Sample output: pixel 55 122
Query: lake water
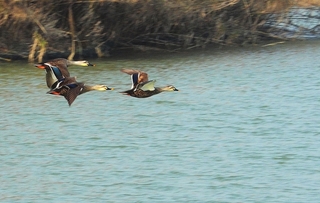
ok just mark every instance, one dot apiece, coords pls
pixel 245 127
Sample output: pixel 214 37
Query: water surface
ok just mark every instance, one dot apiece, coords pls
pixel 244 128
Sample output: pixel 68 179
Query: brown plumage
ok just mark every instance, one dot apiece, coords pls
pixel 142 76
pixel 65 63
pixel 70 92
pixel 144 94
pixel 60 83
pixel 62 64
pixel 142 87
pixel 63 81
pixel 70 89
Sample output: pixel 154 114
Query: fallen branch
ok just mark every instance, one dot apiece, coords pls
pixel 5 59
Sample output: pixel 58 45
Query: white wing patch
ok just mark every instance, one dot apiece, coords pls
pixel 148 86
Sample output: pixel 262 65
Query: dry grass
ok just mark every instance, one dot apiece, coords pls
pixel 165 24
pixel 276 6
pixel 307 3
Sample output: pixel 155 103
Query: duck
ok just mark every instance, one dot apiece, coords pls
pixel 70 88
pixel 66 86
pixel 66 62
pixel 142 87
pixel 62 65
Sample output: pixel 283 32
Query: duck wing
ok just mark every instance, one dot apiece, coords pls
pixel 137 76
pixel 63 81
pixel 62 64
pixel 69 91
pixel 73 93
pixel 147 86
pixel 53 73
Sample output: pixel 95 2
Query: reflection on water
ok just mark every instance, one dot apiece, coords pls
pixel 243 128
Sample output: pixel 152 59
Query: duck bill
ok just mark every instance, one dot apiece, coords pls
pixel 110 88
pixel 176 89
pixel 90 64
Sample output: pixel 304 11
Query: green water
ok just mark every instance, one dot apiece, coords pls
pixel 245 127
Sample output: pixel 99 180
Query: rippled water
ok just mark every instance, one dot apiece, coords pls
pixel 245 127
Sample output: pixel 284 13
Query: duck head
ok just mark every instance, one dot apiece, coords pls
pixel 101 87
pixel 82 63
pixel 169 88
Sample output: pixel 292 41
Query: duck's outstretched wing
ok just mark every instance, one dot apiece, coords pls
pixel 134 80
pixel 73 93
pixel 53 73
pixel 62 64
pixel 137 76
pixel 63 81
pixel 69 91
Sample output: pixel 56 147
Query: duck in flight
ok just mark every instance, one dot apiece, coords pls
pixel 66 86
pixel 70 89
pixel 61 69
pixel 142 87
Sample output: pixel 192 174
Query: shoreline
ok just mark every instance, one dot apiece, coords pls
pixel 126 53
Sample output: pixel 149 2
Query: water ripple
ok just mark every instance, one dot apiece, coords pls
pixel 243 128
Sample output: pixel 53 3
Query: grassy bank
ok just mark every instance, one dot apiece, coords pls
pixel 76 28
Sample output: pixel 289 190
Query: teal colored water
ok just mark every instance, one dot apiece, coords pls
pixel 245 127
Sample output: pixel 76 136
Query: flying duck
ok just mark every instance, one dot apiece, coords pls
pixel 66 86
pixel 70 89
pixel 62 65
pixel 142 87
